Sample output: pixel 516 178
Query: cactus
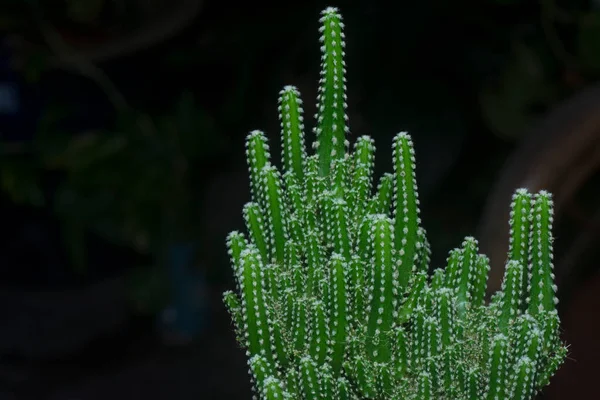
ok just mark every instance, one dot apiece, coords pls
pixel 334 299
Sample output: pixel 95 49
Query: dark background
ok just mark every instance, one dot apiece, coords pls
pixel 122 127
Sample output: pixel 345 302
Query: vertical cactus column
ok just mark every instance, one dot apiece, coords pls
pixel 334 299
pixel 331 127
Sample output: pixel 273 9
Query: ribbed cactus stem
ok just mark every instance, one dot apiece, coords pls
pixel 406 205
pixel 292 126
pixel 258 156
pixel 519 223
pixel 466 272
pixel 337 302
pixel 385 291
pixel 254 310
pixel 331 115
pixel 511 294
pixel 543 290
pixel 334 297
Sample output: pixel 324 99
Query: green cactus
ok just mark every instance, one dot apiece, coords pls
pixel 334 300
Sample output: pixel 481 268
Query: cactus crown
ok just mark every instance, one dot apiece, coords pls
pixel 334 299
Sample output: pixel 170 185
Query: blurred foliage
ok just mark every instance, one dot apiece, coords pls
pixel 148 291
pixel 510 103
pixel 133 185
pixel 588 41
pixel 552 54
pixel 17 13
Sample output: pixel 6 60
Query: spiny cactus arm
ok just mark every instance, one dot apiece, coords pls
pixel 556 360
pixel 251 282
pixel 301 323
pixel 423 252
pixel 525 338
pixel 533 345
pixel 314 183
pixel 472 383
pixel 275 211
pixel 384 382
pixel 550 324
pixel 382 302
pixel 280 346
pixel 363 159
pixel 296 232
pixel 437 279
pixel 358 205
pixel 298 280
pixel 292 126
pixel 255 225
pixel 362 375
pixel 381 203
pixel 433 336
pixel 497 368
pixel 406 206
pixel 552 346
pixel 480 278
pixel 400 352
pixel 311 219
pixel 364 244
pixel 315 256
pixel 276 277
pixel 236 243
pixel 289 303
pixel 331 115
pixel 326 382
pixel 413 299
pixel 427 299
pixel 445 313
pixel 343 391
pixel 327 217
pixel 319 332
pixel 510 302
pixel 338 304
pixel 452 373
pixel 292 260
pixel 339 218
pixel 261 370
pixel 425 387
pixel 357 292
pixel 523 381
pixel 520 226
pixel 309 379
pixel 419 340
pixel 294 195
pixel 464 284
pixel 340 180
pixel 292 380
pixel 361 180
pixel 234 307
pixel 542 293
pixel 273 389
pixel 257 157
pixel 453 269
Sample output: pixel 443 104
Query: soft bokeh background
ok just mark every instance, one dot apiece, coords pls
pixel 122 167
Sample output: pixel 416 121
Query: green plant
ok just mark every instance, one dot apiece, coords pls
pixel 334 300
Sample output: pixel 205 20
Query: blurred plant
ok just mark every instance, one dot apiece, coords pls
pixel 334 300
pixel 553 53
pixel 132 185
pixel 16 14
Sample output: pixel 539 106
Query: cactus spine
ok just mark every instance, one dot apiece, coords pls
pixel 333 298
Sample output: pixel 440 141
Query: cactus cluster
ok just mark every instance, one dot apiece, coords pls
pixel 334 298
